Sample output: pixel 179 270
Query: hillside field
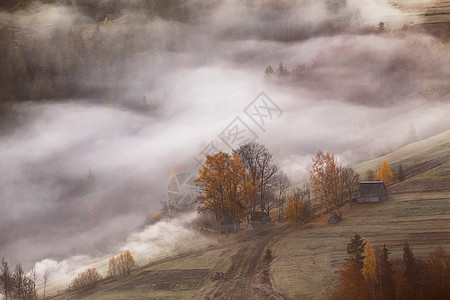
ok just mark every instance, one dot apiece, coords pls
pixel 306 260
pixel 309 259
pixel 417 210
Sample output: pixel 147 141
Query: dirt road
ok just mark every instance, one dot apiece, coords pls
pixel 249 272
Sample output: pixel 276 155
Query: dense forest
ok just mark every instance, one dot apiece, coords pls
pixel 62 63
pixel 100 44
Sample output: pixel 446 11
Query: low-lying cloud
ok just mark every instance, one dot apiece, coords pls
pixel 80 175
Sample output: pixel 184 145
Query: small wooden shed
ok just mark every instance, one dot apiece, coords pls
pixel 371 191
pixel 334 219
pixel 260 219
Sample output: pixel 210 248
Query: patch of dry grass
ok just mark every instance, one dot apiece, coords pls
pixel 307 261
pixel 137 294
pixel 216 259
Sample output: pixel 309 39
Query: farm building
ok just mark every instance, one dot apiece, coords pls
pixel 229 225
pixel 371 191
pixel 334 219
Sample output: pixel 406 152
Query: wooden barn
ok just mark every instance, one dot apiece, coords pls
pixel 229 225
pixel 260 219
pixel 371 191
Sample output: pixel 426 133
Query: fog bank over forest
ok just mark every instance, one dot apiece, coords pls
pixel 102 102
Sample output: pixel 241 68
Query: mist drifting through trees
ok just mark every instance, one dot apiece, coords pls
pixel 100 102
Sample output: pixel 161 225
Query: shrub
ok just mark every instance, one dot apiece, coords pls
pixel 268 255
pixel 86 280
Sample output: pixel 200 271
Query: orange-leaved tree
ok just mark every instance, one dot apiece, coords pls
pixel 379 176
pixel 225 187
pixel 385 173
pixel 353 285
pixel 325 179
pixel 122 264
pixel 294 210
pixel 125 263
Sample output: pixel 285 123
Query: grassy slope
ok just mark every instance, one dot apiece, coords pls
pixel 307 261
pixel 178 277
pixel 412 154
pixel 437 174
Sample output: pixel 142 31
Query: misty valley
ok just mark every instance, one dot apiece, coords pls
pixel 224 149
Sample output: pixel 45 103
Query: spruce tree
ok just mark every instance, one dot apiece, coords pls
pixel 411 270
pixel 387 287
pixel 281 71
pixel 410 262
pixel 401 174
pixel 355 249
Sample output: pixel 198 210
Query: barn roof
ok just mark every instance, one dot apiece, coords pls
pixel 372 188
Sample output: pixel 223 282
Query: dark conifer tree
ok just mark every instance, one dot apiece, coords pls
pixel 401 174
pixel 355 249
pixel 386 274
pixel 412 272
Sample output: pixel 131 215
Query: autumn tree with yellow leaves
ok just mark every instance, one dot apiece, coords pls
pixel 294 210
pixel 369 264
pixel 121 264
pixel 385 173
pixel 369 270
pixel 325 179
pixel 125 263
pixel 225 187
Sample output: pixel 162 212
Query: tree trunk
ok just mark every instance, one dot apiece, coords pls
pixel 279 208
pixel 261 202
pixel 218 229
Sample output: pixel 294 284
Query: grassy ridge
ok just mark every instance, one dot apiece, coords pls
pixel 413 154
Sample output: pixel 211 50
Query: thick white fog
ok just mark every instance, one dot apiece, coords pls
pixel 79 177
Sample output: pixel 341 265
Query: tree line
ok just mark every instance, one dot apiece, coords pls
pixel 64 63
pixel 330 184
pixel 16 284
pixel 235 185
pixel 372 274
